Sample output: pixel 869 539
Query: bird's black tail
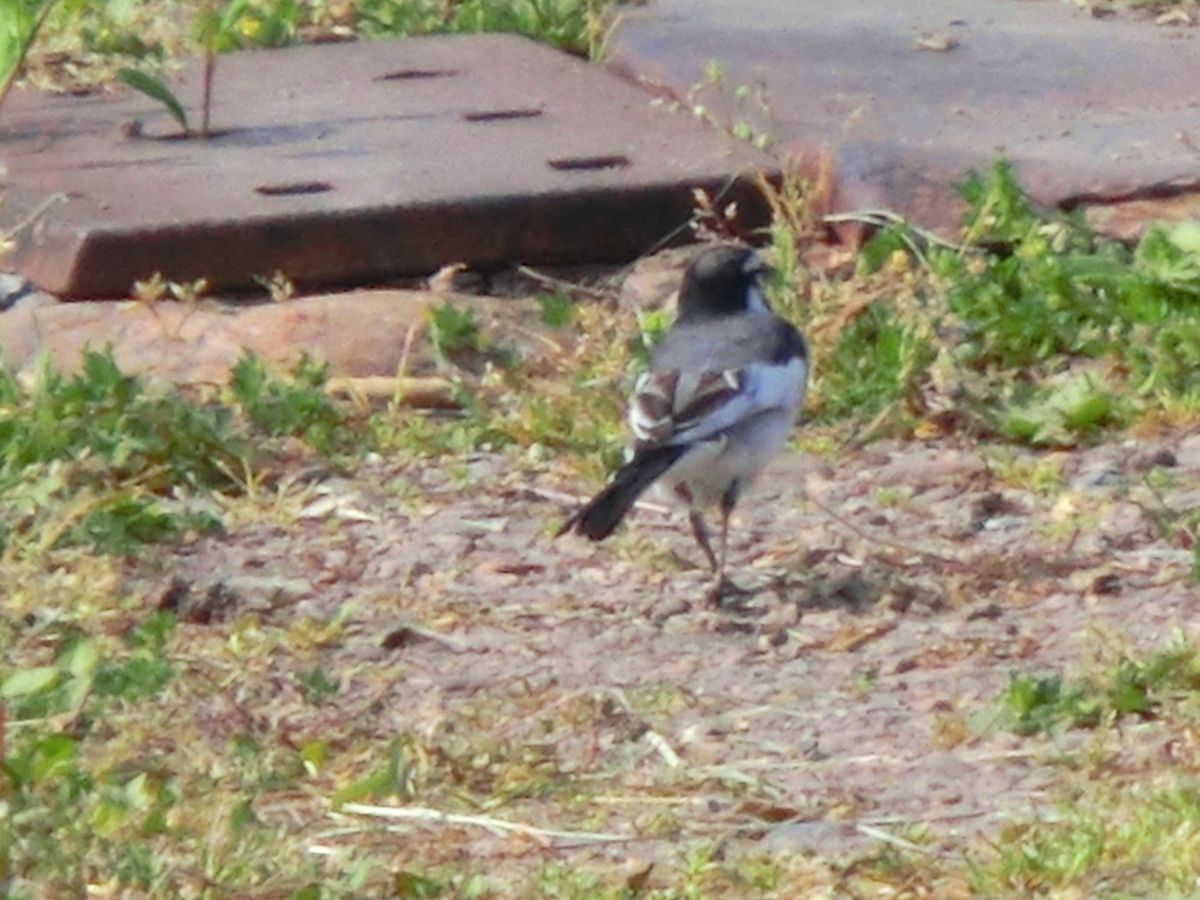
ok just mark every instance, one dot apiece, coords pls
pixel 598 518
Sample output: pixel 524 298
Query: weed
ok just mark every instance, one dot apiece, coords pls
pixel 888 496
pixel 1042 475
pixel 651 326
pixel 864 372
pixel 459 341
pixel 118 450
pixel 99 460
pixel 297 406
pixel 408 883
pixel 397 776
pixel 1032 330
pixel 102 412
pixel 147 669
pixel 555 310
pixel 56 801
pixel 20 24
pixel 564 882
pixel 1045 704
pixel 864 681
pixel 743 112
pixel 569 400
pixel 453 329
pixel 155 89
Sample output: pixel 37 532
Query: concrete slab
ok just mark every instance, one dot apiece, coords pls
pixel 349 163
pixel 908 96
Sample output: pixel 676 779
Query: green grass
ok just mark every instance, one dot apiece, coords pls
pixel 295 407
pixel 860 385
pixel 567 403
pixel 1125 822
pixel 98 459
pixel 73 44
pixel 578 26
pixel 103 36
pixel 1026 327
pixel 54 802
pixel 1112 839
pixel 1033 704
pixel 1033 330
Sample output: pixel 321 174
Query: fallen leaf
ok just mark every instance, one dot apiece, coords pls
pixel 1175 17
pixel 767 812
pixel 937 42
pixel 851 638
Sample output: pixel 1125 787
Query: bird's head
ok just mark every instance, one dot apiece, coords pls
pixel 722 281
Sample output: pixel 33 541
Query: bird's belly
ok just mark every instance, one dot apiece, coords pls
pixel 703 475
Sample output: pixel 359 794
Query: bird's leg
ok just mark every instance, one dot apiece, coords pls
pixel 700 531
pixel 721 585
pixel 717 591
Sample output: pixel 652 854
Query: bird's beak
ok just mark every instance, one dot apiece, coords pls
pixel 755 265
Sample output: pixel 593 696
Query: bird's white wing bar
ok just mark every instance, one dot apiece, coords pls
pixel 683 407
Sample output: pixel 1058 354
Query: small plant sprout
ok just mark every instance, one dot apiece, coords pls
pixel 20 23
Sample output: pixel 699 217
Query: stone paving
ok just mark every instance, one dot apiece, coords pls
pixel 905 97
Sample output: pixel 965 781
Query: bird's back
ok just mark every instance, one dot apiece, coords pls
pixel 743 340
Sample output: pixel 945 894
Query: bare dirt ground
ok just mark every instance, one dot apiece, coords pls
pixel 849 700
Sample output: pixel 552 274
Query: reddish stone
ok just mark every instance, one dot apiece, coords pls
pixel 179 343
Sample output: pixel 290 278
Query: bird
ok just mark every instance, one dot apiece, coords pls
pixel 718 401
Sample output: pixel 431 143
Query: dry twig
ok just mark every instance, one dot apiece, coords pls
pixel 880 835
pixel 567 287
pixel 490 823
pixel 422 393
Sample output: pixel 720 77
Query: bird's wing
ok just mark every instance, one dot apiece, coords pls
pixel 682 407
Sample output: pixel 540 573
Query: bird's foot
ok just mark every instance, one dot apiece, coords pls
pixel 723 589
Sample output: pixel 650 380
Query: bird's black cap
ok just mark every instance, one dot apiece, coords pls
pixel 718 282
